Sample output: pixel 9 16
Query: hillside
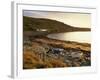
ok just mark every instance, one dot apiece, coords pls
pixel 52 26
pixel 39 51
pixel 50 53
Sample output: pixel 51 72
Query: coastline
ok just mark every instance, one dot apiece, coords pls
pixel 40 53
pixel 64 44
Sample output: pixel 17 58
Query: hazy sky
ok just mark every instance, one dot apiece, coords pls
pixel 73 19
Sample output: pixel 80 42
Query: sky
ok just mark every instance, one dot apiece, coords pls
pixel 82 20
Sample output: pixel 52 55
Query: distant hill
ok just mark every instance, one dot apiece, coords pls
pixel 32 24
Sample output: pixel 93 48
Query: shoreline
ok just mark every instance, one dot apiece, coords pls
pixel 64 44
pixel 43 52
pixel 40 51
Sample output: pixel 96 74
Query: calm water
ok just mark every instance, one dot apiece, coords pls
pixel 84 37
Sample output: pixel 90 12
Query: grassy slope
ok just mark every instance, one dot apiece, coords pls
pixel 30 58
pixel 31 24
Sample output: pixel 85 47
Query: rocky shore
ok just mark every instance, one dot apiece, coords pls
pixel 43 52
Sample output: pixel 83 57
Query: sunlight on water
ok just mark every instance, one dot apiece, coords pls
pixel 83 37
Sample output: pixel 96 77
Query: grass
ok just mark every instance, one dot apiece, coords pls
pixel 32 61
pixel 32 24
pixel 32 58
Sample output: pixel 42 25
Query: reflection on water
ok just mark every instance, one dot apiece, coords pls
pixel 84 37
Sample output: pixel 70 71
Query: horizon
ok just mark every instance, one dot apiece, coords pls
pixel 82 20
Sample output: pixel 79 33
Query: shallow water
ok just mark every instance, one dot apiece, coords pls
pixel 83 37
